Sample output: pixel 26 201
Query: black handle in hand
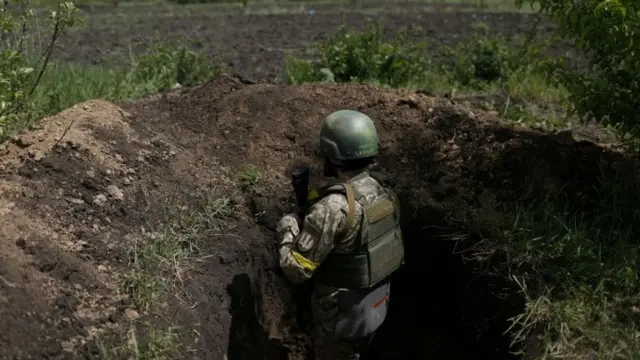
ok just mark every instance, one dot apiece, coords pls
pixel 300 182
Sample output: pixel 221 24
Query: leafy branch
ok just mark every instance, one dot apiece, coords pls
pixel 19 76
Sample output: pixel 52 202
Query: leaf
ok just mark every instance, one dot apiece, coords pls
pixel 327 75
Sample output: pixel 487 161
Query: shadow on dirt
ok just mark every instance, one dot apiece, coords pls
pixel 438 303
pixel 247 339
pixel 440 308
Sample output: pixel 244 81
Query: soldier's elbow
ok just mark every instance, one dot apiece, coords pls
pixel 294 274
pixel 298 279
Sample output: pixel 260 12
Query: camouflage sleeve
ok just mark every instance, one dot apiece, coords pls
pixel 301 252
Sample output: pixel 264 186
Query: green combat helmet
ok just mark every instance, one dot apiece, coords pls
pixel 348 135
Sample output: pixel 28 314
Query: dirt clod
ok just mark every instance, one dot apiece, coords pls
pixel 100 200
pixel 115 192
pixel 131 314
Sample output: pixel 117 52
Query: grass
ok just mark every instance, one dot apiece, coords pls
pixel 576 267
pixel 160 264
pixel 162 67
pixel 160 344
pixel 167 251
pixel 249 178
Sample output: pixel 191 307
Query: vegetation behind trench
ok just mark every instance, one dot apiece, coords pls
pixel 33 86
pixel 485 68
pixel 576 269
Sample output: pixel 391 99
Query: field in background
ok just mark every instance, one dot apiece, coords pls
pixel 263 34
pixel 266 34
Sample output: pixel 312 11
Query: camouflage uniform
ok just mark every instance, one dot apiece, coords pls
pixel 303 250
pixel 350 240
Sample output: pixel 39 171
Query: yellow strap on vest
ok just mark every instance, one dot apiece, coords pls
pixel 313 194
pixel 351 215
pixel 303 261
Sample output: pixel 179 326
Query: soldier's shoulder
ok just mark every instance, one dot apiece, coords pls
pixel 333 201
pixel 379 176
pixel 369 186
pixel 382 176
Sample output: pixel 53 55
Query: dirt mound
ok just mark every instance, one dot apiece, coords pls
pixel 56 286
pixel 93 182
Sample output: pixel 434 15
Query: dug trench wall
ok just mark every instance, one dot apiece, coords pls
pixel 87 186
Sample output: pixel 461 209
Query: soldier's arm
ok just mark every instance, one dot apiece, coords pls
pixel 303 250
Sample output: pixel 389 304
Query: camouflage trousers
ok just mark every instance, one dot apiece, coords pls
pixel 324 309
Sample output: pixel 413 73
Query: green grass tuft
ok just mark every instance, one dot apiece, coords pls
pixel 250 177
pixel 160 263
pixel 577 269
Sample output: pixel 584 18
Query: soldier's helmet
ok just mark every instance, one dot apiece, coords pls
pixel 348 135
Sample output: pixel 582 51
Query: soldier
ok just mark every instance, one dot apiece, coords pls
pixel 349 241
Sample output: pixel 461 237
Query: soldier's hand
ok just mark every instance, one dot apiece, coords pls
pixel 288 222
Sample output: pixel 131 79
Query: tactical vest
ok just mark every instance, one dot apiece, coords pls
pixel 379 244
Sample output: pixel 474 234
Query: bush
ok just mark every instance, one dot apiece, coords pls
pixel 165 66
pixel 483 61
pixel 298 71
pixel 608 90
pixel 19 75
pixel 364 58
pixel 398 62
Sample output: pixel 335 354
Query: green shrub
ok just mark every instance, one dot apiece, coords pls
pixel 298 71
pixel 165 66
pixel 367 57
pixel 20 76
pixel 608 89
pixel 482 61
pixel 363 58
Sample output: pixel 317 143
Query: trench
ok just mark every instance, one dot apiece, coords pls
pixel 440 307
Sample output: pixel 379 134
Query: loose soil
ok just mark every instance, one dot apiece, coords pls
pixel 255 44
pixel 80 191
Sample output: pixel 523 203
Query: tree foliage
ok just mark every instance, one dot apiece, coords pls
pixel 608 33
pixel 21 70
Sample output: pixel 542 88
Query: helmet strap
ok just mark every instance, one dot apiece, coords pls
pixel 329 168
pixel 338 169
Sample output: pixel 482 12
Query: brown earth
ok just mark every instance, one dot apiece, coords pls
pixel 255 44
pixel 94 181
